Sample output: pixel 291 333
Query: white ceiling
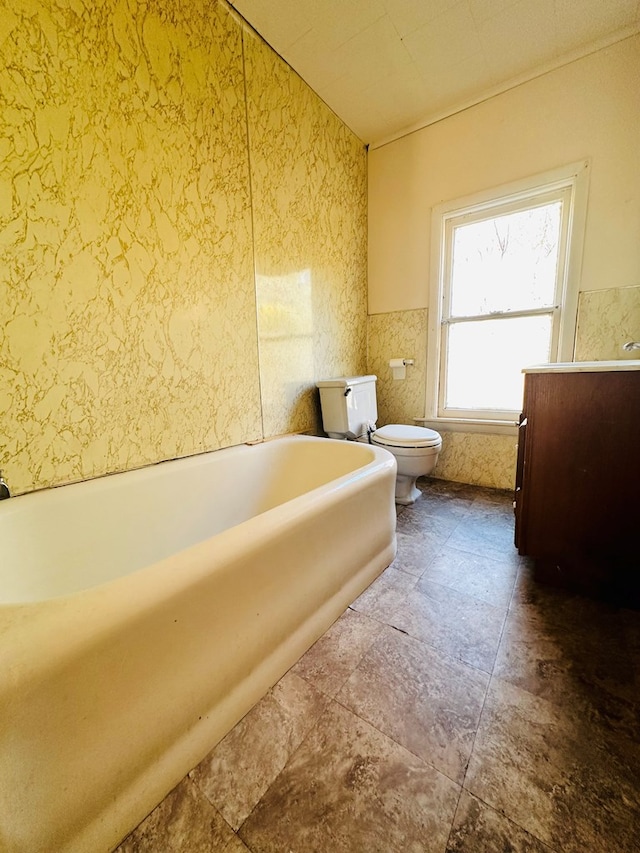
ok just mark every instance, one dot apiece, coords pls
pixel 389 66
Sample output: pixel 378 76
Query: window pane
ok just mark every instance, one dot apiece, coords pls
pixel 486 358
pixel 506 263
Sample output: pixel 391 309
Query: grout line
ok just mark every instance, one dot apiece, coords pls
pixel 508 819
pixel 455 813
pixel 441 652
pixel 403 746
pixel 287 762
pixel 489 681
pixel 480 716
pixel 484 701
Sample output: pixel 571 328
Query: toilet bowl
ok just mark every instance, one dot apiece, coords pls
pixel 416 450
pixel 349 411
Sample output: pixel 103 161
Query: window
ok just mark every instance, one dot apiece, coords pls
pixel 504 295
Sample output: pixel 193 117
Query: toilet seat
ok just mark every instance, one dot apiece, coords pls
pixel 350 411
pixel 405 436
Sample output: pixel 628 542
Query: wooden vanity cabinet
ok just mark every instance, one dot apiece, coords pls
pixel 577 498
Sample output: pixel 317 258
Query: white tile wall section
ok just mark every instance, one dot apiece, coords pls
pixel 390 66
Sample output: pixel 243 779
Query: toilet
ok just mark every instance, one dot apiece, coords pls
pixel 350 410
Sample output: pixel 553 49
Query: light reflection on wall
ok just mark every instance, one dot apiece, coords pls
pixel 285 336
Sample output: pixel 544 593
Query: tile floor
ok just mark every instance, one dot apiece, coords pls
pixel 455 707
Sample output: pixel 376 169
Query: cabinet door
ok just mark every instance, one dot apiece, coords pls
pixel 582 465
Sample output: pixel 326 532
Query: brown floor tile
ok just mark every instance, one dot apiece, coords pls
pixel 485 578
pixel 592 635
pixel 556 774
pixel 558 606
pixel 381 600
pixel 486 537
pixel 349 788
pixel 332 659
pixel 235 845
pixel 587 666
pixel 464 499
pixel 479 829
pixel 432 486
pixel 420 520
pixel 497 497
pixel 416 551
pixel 184 822
pixel 420 698
pixel 238 771
pixel 493 516
pixel 439 506
pixel 459 625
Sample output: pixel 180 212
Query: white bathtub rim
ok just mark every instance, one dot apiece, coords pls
pixel 109 478
pixel 60 619
pixel 192 459
pixel 278 515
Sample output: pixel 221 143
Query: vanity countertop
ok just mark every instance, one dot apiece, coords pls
pixel 585 366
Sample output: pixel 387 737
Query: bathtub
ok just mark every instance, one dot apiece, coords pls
pixel 143 614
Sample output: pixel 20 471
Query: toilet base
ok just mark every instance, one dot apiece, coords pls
pixel 406 490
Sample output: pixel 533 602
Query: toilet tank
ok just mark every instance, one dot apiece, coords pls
pixel 348 405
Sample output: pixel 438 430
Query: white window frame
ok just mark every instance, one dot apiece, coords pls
pixel 572 181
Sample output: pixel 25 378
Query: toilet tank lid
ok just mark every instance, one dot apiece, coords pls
pixel 344 381
pixel 403 435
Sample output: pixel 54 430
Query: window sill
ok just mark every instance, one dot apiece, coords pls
pixel 470 425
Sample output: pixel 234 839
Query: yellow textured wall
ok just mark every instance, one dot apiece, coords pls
pixel 308 178
pixel 483 460
pixel 401 334
pixel 607 319
pixel 128 328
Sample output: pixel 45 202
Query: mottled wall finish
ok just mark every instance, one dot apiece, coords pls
pixel 607 319
pixel 401 334
pixel 308 175
pixel 483 460
pixel 128 305
pixel 128 327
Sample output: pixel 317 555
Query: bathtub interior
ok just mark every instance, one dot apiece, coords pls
pixel 131 683
pixel 64 540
